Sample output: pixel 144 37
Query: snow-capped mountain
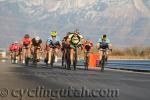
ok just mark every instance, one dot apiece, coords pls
pixel 126 21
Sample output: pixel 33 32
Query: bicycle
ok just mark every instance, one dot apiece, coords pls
pixel 67 57
pixel 11 57
pixel 35 55
pixel 63 57
pixel 104 58
pixel 53 54
pixel 15 57
pixel 75 55
pixel 26 55
pixel 86 64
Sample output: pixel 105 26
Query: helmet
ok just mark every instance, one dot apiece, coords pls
pixel 76 31
pixel 68 33
pixel 104 36
pixel 37 38
pixel 53 33
pixel 87 41
pixel 26 36
pixel 16 42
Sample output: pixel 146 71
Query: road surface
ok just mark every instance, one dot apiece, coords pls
pixel 18 82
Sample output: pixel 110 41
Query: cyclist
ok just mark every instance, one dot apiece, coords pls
pixel 26 45
pixel 36 45
pixel 16 49
pixel 64 41
pixel 11 51
pixel 65 46
pixel 75 39
pixel 87 47
pixel 104 43
pixel 53 40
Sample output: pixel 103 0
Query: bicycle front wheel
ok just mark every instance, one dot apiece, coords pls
pixel 102 63
pixel 75 60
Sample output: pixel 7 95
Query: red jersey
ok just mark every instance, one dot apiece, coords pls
pixel 26 41
pixel 16 47
pixel 11 47
pixel 88 45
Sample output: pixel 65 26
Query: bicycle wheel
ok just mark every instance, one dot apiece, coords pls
pixel 52 59
pixel 46 59
pixel 102 63
pixel 26 60
pixel 63 55
pixel 35 58
pixel 75 59
pixel 86 61
pixel 14 59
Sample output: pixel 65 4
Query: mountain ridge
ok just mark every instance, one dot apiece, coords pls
pixel 128 18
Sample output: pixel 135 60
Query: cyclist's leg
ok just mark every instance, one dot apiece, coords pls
pixel 23 55
pixel 13 56
pixel 38 54
pixel 110 46
pixel 79 53
pixel 18 55
pixel 100 52
pixel 56 54
pixel 107 53
pixel 29 52
pixel 10 55
pixel 49 55
pixel 45 52
pixel 71 53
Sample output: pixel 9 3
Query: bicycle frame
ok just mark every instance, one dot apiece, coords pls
pixel 26 56
pixel 63 57
pixel 75 57
pixel 53 55
pixel 35 54
pixel 67 58
pixel 87 59
pixel 102 61
pixel 15 56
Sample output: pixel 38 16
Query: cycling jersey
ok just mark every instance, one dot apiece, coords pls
pixel 16 47
pixel 36 43
pixel 11 47
pixel 26 41
pixel 107 41
pixel 52 41
pixel 75 40
pixel 104 44
pixel 88 45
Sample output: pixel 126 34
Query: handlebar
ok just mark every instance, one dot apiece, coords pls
pixel 107 49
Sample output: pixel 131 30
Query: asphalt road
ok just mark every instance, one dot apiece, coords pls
pixel 18 82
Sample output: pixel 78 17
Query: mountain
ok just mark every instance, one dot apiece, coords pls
pixel 125 21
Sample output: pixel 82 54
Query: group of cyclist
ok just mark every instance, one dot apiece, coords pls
pixel 73 40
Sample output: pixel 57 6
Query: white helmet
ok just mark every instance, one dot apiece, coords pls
pixel 37 38
pixel 16 42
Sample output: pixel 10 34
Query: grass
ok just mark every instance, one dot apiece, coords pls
pixel 131 53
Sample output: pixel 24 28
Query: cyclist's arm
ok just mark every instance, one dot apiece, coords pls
pixel 68 39
pixel 21 43
pixel 30 45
